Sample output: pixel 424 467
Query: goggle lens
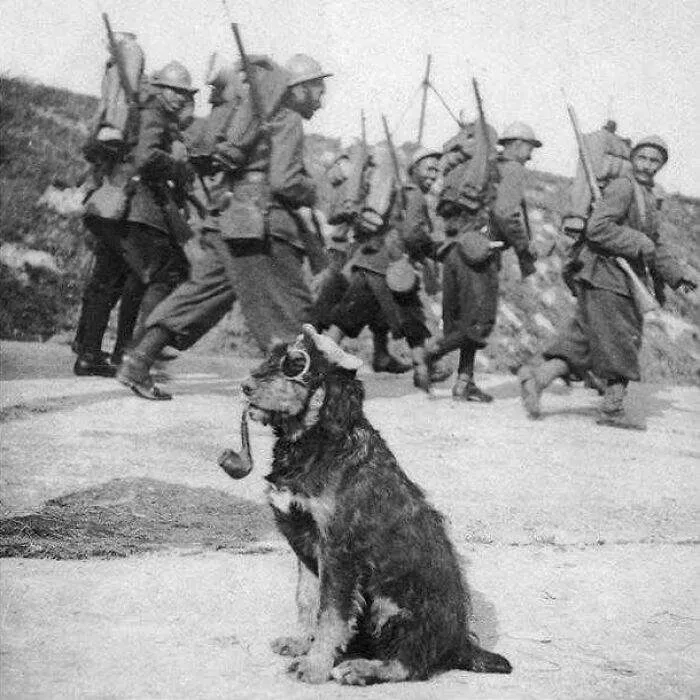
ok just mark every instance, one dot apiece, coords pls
pixel 295 364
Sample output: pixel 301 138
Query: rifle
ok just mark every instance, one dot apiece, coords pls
pixel 255 98
pixel 401 276
pixel 643 298
pixel 480 113
pixel 397 172
pixel 363 153
pixel 476 177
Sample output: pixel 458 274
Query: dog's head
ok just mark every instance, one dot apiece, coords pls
pixel 305 383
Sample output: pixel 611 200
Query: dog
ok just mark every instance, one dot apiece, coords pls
pixel 380 589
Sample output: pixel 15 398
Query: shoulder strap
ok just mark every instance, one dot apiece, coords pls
pixel 645 217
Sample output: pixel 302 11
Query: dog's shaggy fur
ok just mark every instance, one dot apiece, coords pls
pixel 390 601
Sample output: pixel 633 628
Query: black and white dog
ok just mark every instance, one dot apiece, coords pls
pixel 390 603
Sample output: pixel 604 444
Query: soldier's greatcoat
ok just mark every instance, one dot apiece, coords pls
pixel 368 301
pixel 252 249
pixel 152 202
pixel 140 248
pixel 605 334
pixel 471 269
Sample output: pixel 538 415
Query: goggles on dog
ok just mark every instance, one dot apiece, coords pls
pixel 295 364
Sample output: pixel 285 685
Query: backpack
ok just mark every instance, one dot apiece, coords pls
pixel 470 186
pixel 225 138
pixel 116 123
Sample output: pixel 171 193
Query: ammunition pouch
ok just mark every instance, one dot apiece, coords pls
pixel 241 212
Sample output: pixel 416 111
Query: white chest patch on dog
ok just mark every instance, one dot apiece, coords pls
pixel 320 508
pixel 382 610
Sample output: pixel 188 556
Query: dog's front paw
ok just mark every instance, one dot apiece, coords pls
pixel 313 669
pixel 291 646
pixel 353 672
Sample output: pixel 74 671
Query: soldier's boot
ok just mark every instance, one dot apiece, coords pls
pixel 612 411
pixel 383 360
pixel 440 371
pixel 592 381
pixel 93 364
pixel 132 294
pixel 421 370
pixel 466 390
pixel 135 369
pixel 427 368
pixel 533 381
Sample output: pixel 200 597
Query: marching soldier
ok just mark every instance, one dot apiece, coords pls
pixel 134 215
pixel 484 214
pixel 347 176
pixel 384 284
pixel 252 244
pixel 609 156
pixel 605 334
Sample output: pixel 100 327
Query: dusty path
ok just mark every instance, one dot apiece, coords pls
pixel 579 541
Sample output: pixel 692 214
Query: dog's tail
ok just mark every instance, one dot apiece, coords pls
pixel 474 658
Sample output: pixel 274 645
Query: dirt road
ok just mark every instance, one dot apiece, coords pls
pixel 579 542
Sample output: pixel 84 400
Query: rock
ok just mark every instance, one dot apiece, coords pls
pixel 673 326
pixel 541 321
pixel 509 316
pixel 549 297
pixel 66 201
pixel 17 257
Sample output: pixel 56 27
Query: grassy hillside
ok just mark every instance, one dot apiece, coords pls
pixel 41 134
pixel 45 253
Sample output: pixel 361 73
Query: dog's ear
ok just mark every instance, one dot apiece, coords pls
pixel 331 350
pixel 342 407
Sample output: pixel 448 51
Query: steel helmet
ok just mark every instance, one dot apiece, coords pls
pixel 653 141
pixel 519 131
pixel 174 75
pixel 302 68
pixel 421 153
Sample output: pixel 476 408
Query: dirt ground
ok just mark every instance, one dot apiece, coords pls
pixel 579 542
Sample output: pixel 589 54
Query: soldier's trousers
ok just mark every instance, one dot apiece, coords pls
pixel 469 302
pixel 135 263
pixel 266 277
pixel 369 302
pixel 604 336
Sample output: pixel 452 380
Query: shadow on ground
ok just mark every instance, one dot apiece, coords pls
pixel 124 517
